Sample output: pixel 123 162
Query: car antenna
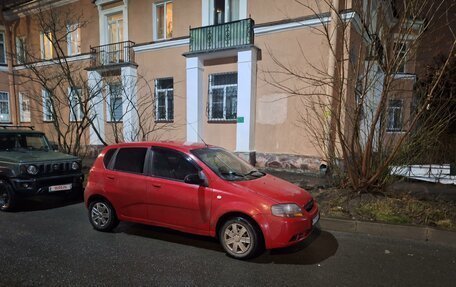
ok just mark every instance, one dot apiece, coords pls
pixel 198 134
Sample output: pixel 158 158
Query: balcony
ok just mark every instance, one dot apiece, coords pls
pixel 224 36
pixel 112 55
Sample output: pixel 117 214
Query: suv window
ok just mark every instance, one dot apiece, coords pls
pixel 130 160
pixel 23 141
pixel 171 164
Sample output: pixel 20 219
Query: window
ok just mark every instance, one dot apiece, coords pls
pixel 171 164
pixel 163 20
pixel 47 106
pixel 223 96
pixel 225 11
pixel 164 110
pixel 75 99
pixel 394 116
pixel 2 48
pixel 46 45
pixel 107 157
pixel 4 107
pixel 24 107
pixel 400 50
pixel 20 50
pixel 115 28
pixel 115 107
pixel 74 39
pixel 131 160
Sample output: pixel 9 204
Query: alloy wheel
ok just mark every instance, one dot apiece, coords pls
pixel 237 238
pixel 100 214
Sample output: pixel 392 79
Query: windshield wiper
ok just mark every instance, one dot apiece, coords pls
pixel 253 171
pixel 232 173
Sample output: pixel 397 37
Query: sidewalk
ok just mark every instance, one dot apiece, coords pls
pixel 418 233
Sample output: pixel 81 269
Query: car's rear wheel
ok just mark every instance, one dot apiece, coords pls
pixel 7 197
pixel 240 238
pixel 102 215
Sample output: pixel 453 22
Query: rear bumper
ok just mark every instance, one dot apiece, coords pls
pixel 281 232
pixel 38 186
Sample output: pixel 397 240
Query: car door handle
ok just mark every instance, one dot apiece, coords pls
pixel 110 177
pixel 156 185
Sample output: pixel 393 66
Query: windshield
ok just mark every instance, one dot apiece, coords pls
pixel 226 164
pixel 10 142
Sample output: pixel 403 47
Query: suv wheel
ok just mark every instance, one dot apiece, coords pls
pixel 7 198
pixel 102 215
pixel 240 238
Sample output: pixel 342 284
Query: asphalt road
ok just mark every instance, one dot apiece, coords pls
pixel 53 244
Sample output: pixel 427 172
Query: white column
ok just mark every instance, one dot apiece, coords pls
pixel 247 73
pixel 96 107
pixel 194 99
pixel 130 117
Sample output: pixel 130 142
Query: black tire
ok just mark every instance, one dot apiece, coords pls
pixel 7 197
pixel 240 238
pixel 102 215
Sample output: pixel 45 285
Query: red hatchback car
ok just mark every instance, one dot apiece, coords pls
pixel 198 189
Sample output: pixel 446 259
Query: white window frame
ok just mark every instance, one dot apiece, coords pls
pixel 4 47
pixel 7 118
pixel 208 11
pixel 212 87
pixel 20 50
pixel 392 109
pixel 103 21
pixel 43 39
pixel 47 108
pixel 75 111
pixel 165 18
pixel 24 116
pixel 109 111
pixel 72 31
pixel 167 95
pixel 402 65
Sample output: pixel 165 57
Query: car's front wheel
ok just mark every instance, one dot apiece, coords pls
pixel 240 238
pixel 7 198
pixel 102 215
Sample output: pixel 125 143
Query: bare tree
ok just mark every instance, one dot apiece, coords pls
pixel 348 105
pixel 60 88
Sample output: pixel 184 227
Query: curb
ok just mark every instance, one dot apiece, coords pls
pixel 390 230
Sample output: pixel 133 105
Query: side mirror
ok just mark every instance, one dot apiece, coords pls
pixel 193 178
pixel 54 146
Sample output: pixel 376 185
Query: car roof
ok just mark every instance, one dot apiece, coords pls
pixel 177 145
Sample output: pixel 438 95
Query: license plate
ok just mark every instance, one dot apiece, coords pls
pixel 60 187
pixel 315 219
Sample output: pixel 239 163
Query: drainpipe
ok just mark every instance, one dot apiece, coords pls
pixel 9 58
pixel 332 91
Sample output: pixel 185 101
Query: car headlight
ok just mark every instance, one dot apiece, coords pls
pixel 75 165
pixel 286 210
pixel 32 169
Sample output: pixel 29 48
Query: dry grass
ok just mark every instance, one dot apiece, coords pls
pixel 398 210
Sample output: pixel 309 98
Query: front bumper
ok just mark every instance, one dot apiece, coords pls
pixel 281 232
pixel 40 185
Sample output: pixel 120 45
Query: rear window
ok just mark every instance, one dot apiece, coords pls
pixel 107 157
pixel 130 160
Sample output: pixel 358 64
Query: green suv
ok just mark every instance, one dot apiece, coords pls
pixel 29 166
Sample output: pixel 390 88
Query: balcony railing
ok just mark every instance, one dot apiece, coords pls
pixel 222 36
pixel 112 54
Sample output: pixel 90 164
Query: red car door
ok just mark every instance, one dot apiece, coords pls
pixel 126 185
pixel 172 201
